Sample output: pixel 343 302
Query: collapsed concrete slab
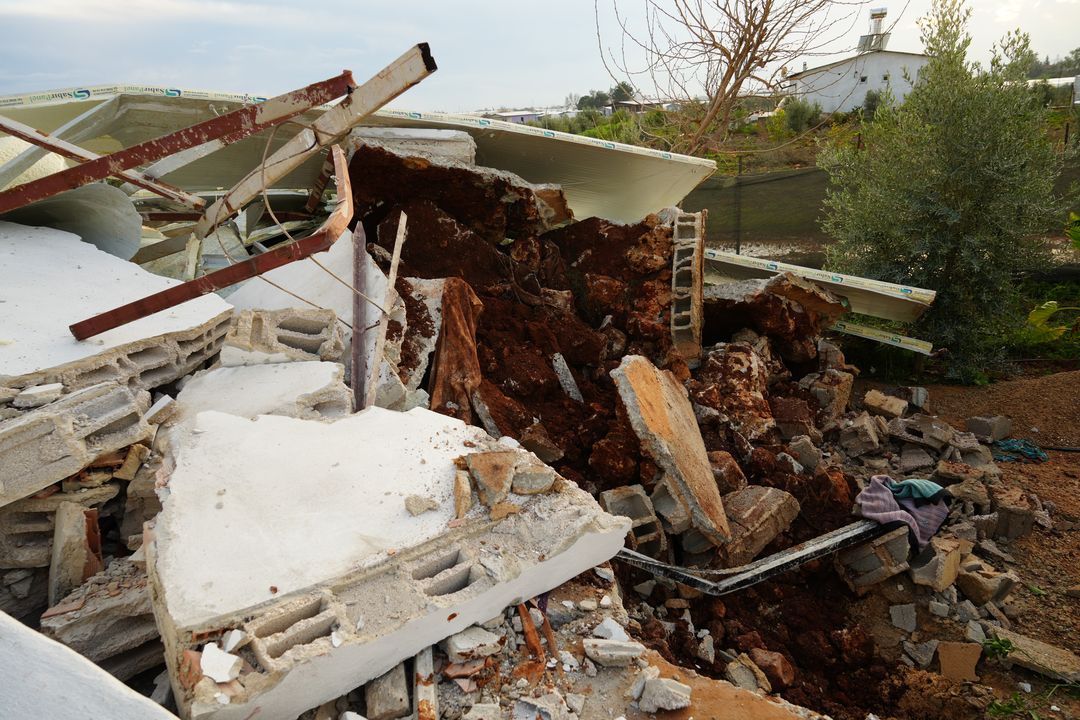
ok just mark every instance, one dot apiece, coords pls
pixel 27 526
pixel 447 145
pixel 52 279
pixel 662 417
pixel 341 592
pixel 730 388
pixel 57 440
pixel 44 679
pixel 109 620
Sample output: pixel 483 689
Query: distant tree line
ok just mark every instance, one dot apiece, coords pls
pixel 1062 67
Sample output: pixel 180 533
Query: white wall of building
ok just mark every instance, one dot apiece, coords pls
pixel 842 87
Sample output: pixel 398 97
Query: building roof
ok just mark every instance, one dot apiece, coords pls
pixel 820 68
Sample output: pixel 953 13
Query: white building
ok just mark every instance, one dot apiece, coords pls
pixel 842 86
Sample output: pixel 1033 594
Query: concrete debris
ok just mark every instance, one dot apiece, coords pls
pixel 989 429
pixel 958 660
pixel 887 406
pixel 612 653
pixel 756 516
pixel 663 694
pixel 663 419
pixel 1047 660
pixel 50 443
pixel 387 696
pixel 866 565
pixel 903 617
pixel 471 643
pixel 76 549
pixel 938 565
pixel 274 336
pixel 291 601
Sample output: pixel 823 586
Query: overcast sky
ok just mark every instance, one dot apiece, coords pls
pixel 507 53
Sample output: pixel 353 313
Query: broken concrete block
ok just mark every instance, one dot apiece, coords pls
pixel 24 592
pixel 887 406
pixel 804 450
pixel 27 525
pixel 989 429
pixel 1015 511
pixel 985 584
pixel 663 694
pixel 608 629
pixel 44 679
pixel 917 397
pixel 309 609
pixel 903 617
pixel 50 443
pixel 109 620
pixel 1047 660
pixel 470 643
pixel 865 565
pixel 832 388
pixel 134 459
pixel 306 390
pixel 387 696
pixel 925 430
pixel 859 435
pixel 958 660
pixel 258 337
pixel 792 416
pixel 756 515
pixel 938 564
pixel 676 519
pixel 663 419
pixel 38 395
pixel 687 285
pixel 76 549
pixel 921 653
pixel 612 653
pixel 531 476
pixel 913 458
pixel 646 535
pixel 566 378
pixel 43 297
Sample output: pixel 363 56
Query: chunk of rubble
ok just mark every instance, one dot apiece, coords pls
pixel 109 621
pixel 43 297
pixel 887 406
pixel 50 443
pixel 1047 660
pixel 38 395
pixel 756 516
pixel 938 565
pixel 663 694
pixel 958 660
pixel 832 388
pixel 313 611
pixel 44 679
pixel 663 419
pixel 859 435
pixel 981 584
pixel 631 501
pixel 76 549
pixel 612 653
pixel 868 564
pixel 730 388
pixel 926 430
pixel 990 428
pixel 277 336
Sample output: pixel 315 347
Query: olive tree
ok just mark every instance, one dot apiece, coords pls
pixel 953 190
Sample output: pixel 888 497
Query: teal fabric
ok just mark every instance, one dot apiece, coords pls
pixel 915 488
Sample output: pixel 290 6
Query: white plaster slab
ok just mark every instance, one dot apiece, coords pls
pixel 288 503
pixel 44 679
pixel 51 279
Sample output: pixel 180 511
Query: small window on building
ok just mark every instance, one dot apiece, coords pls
pixel 885 77
pixel 862 78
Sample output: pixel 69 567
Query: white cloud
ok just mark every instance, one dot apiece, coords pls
pixel 209 13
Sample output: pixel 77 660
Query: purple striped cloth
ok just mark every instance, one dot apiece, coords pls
pixel 877 502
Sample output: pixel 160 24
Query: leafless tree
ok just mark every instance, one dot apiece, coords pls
pixel 705 54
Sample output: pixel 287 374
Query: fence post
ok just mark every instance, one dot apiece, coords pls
pixel 738 205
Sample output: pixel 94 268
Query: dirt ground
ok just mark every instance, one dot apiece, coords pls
pixel 1046 410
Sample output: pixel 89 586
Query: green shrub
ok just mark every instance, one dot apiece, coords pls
pixel 801 115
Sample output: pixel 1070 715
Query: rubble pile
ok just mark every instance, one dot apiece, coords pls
pixel 391 504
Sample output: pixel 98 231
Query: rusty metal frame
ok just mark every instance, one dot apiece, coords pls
pixel 322 239
pixel 397 77
pixel 229 127
pixel 74 152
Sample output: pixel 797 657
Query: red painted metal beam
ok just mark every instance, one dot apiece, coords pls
pixel 280 255
pixel 230 127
